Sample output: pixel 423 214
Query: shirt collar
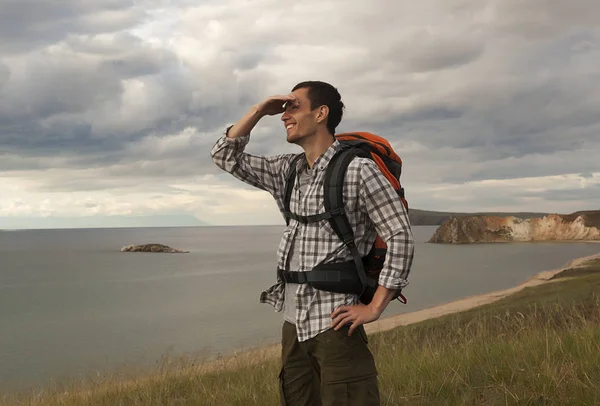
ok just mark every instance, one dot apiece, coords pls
pixel 321 162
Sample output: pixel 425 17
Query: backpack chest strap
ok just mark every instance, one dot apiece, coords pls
pixel 315 217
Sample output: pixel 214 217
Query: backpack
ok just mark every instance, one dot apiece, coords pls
pixel 360 275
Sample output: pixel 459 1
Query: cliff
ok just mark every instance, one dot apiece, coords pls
pixel 436 218
pixel 584 225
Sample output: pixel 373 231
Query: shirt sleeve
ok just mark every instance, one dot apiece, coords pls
pixel 379 200
pixel 266 173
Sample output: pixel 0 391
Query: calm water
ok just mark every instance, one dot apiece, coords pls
pixel 71 304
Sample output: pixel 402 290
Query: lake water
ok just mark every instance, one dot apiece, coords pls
pixel 72 304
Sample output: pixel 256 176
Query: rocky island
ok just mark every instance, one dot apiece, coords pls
pixel 152 248
pixel 578 226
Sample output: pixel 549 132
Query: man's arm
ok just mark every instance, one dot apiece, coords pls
pixel 228 152
pixel 379 200
pixel 245 124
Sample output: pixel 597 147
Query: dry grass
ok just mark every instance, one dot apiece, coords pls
pixel 589 267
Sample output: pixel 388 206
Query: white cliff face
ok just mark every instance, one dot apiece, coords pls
pixel 521 229
pixel 553 227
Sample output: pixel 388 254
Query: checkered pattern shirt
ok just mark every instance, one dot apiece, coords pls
pixel 372 207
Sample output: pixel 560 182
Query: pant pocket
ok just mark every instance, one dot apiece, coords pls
pixel 335 394
pixel 363 334
pixel 358 393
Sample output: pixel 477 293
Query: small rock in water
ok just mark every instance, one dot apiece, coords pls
pixel 152 248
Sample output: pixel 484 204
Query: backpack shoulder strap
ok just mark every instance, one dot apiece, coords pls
pixel 333 191
pixel 290 180
pixel 334 202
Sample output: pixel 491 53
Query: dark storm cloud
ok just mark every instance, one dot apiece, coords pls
pixel 51 96
pixel 553 115
pixel 71 103
pixel 511 87
pixel 29 24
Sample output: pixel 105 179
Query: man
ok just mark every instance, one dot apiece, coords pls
pixel 324 361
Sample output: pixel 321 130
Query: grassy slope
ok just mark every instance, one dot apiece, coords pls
pixel 540 346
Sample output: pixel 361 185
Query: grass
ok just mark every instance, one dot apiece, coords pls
pixel 540 346
pixel 590 267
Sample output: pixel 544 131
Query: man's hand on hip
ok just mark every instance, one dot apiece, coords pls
pixel 361 313
pixel 356 315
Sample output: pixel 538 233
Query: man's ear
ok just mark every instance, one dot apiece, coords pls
pixel 323 114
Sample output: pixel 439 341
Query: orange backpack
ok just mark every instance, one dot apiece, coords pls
pixel 368 268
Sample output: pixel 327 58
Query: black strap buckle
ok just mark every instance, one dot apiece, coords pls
pixel 292 277
pixel 349 241
pixel 338 211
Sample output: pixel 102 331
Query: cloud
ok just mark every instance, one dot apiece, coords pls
pixel 441 53
pixel 554 194
pixel 119 100
pixel 27 25
pixel 206 197
pixel 539 19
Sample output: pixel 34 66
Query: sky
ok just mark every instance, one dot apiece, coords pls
pixel 110 108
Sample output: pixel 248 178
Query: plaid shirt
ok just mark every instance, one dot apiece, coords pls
pixel 372 207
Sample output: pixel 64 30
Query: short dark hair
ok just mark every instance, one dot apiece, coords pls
pixel 321 93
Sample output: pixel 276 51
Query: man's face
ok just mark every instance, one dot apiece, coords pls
pixel 299 120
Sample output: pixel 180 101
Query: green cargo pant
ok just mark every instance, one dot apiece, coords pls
pixel 327 370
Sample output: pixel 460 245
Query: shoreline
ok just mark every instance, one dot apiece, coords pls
pixel 470 302
pixel 269 353
pixel 517 242
pixel 244 357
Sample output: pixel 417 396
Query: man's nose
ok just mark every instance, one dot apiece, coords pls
pixel 285 116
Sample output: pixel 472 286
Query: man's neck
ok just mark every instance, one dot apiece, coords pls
pixel 316 146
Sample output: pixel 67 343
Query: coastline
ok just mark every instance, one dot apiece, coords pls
pixel 270 353
pixel 243 357
pixel 518 242
pixel 470 302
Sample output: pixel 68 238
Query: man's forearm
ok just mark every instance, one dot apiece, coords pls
pixel 383 297
pixel 245 124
